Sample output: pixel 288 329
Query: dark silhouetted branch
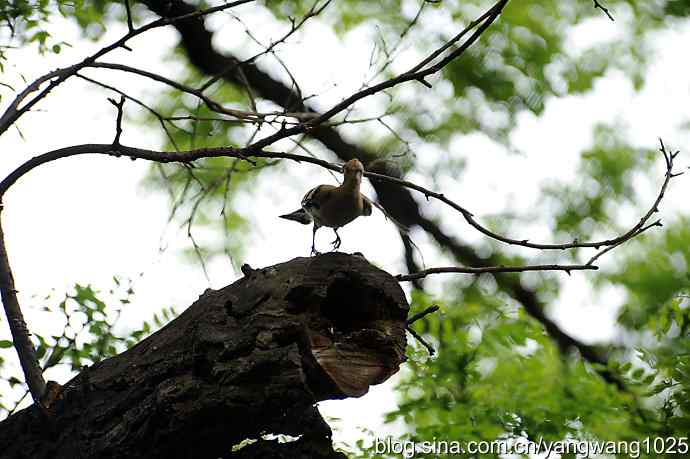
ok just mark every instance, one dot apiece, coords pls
pixel 422 314
pixel 118 123
pixel 493 269
pixel 421 340
pixel 56 77
pixel 603 8
pixel 20 333
pixel 642 226
pixel 128 10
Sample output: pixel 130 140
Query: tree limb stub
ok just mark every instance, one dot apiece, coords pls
pixel 248 359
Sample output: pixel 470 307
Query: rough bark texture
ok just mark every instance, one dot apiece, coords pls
pixel 249 359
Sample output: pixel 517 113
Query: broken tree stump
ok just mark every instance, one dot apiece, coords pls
pixel 246 360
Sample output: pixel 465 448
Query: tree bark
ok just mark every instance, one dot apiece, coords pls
pixel 247 360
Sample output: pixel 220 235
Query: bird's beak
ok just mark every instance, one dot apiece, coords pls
pixel 358 175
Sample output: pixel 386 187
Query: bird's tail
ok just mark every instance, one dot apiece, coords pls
pixel 299 216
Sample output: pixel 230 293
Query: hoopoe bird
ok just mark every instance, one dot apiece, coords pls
pixel 334 206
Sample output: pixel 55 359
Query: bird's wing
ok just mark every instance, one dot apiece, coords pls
pixel 368 203
pixel 366 206
pixel 316 197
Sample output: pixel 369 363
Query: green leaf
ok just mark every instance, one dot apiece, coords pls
pixel 637 373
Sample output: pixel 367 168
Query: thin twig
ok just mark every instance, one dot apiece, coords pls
pixel 669 158
pixel 315 10
pixel 390 59
pixel 56 77
pixel 118 123
pixel 421 340
pixel 419 75
pixel 452 41
pixel 642 226
pixel 420 315
pixel 130 24
pixel 493 269
pixel 210 103
pixel 603 8
pixel 155 113
pixel 197 248
pixel 609 248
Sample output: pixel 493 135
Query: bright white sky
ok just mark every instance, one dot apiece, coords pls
pixel 85 219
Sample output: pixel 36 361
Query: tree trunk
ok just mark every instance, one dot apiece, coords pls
pixel 250 359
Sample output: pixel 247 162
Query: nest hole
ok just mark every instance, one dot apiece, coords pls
pixel 350 305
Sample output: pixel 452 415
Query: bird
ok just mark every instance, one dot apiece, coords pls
pixel 334 206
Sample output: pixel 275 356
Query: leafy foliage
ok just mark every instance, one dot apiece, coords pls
pixel 499 377
pixel 605 176
pixel 656 276
pixel 89 335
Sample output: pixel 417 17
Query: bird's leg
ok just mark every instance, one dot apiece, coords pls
pixel 336 243
pixel 313 240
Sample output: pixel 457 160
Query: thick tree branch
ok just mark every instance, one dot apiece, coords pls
pixel 250 359
pixel 20 333
pixel 184 156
